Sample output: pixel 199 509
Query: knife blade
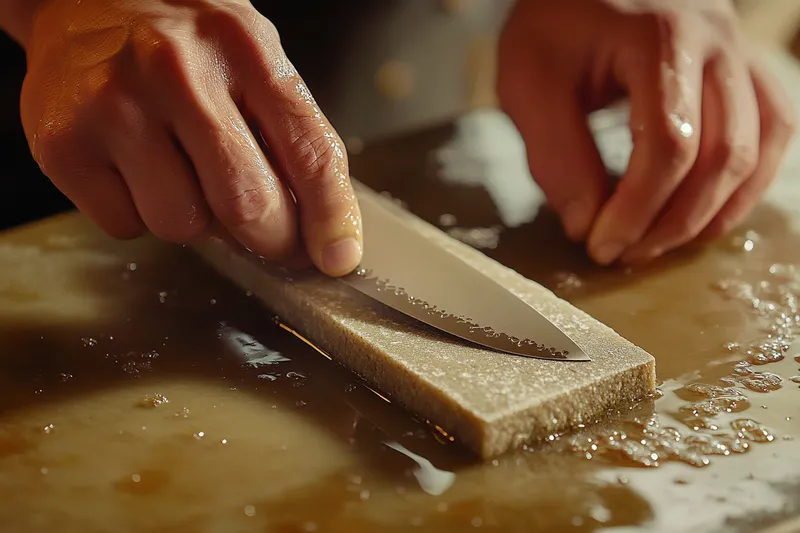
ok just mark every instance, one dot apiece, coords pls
pixel 404 270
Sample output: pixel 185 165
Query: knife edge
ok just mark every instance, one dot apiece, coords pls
pixel 459 326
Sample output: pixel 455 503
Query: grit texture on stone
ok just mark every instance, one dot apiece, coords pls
pixel 491 402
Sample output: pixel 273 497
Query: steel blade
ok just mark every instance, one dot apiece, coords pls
pixel 407 272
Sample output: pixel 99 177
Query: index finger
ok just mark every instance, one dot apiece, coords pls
pixel 664 88
pixel 306 149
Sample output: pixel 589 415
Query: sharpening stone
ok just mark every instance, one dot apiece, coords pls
pixel 490 402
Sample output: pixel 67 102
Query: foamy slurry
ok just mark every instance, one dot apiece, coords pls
pixel 154 400
pixel 568 282
pixel 645 441
pixel 480 238
pixel 134 363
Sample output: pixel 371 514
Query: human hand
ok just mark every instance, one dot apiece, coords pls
pixel 149 115
pixel 710 126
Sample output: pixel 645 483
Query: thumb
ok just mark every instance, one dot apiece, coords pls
pixel 562 154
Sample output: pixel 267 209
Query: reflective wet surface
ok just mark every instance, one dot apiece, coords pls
pixel 141 392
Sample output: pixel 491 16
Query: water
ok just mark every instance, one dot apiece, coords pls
pixel 236 424
pixel 213 443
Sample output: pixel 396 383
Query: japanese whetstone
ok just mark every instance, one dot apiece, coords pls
pixel 491 402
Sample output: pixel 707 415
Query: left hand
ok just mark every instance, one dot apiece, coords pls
pixel 710 126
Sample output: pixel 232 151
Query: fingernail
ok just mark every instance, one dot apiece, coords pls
pixel 575 218
pixel 341 257
pixel 607 253
pixel 639 256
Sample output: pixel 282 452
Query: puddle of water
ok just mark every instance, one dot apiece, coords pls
pixel 186 399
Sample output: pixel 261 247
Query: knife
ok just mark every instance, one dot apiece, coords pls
pixel 404 270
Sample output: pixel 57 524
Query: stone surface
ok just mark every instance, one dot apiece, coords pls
pixel 490 402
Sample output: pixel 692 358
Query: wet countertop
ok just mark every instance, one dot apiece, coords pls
pixel 141 392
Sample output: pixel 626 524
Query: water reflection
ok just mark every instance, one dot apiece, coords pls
pixel 237 424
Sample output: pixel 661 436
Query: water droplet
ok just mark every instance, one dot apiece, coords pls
pixel 752 430
pixel 447 220
pixel 136 478
pixel 298 379
pixel 250 510
pixel 762 382
pixel 199 435
pixel 600 513
pixel 155 400
pixel 480 238
pixel 568 282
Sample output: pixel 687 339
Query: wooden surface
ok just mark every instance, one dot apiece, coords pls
pixel 262 433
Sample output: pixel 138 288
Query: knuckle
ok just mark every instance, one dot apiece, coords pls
pixel 739 161
pixel 252 38
pixel 249 205
pixel 103 85
pixel 154 47
pixel 53 146
pixel 686 229
pixel 161 56
pixel 165 55
pixel 264 28
pixel 124 116
pixel 785 125
pixel 223 21
pixel 676 149
pixel 317 156
pixel 242 24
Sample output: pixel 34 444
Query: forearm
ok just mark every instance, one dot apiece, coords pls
pixel 16 18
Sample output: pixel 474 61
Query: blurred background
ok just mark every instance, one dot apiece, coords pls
pixel 378 68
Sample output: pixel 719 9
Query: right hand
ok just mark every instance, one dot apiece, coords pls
pixel 148 115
